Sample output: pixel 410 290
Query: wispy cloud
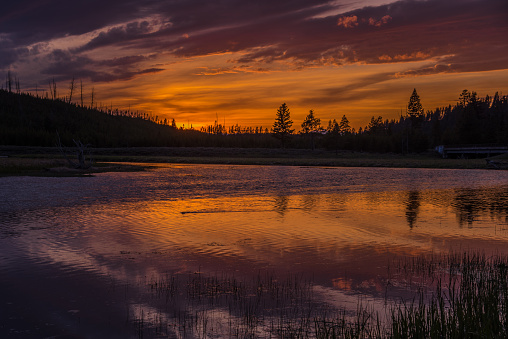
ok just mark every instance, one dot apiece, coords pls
pixel 61 64
pixel 118 40
pixel 264 31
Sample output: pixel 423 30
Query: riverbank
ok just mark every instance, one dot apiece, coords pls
pixel 16 160
pixel 54 166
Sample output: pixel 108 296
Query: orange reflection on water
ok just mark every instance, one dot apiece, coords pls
pixel 342 240
pixel 183 220
pixel 301 233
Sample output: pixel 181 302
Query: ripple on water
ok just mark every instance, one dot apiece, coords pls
pixel 340 225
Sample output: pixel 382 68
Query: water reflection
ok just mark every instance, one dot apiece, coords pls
pixel 281 204
pixel 339 226
pixel 412 205
pixel 471 204
pixel 467 207
pixel 310 202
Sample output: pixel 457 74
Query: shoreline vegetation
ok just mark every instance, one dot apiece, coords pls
pixel 454 295
pixel 28 120
pixel 48 161
pixel 139 139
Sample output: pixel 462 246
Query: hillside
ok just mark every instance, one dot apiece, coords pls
pixel 26 120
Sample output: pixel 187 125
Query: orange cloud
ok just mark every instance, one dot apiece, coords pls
pixel 232 70
pixel 342 283
pixel 405 57
pixel 412 56
pixel 378 23
pixel 348 21
pixel 190 59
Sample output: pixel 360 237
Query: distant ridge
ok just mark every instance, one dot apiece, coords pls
pixel 26 120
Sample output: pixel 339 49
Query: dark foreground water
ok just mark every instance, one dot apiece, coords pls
pixel 199 250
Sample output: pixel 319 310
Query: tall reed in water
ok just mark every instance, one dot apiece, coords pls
pixel 453 296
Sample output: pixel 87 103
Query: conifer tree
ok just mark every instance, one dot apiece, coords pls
pixel 414 107
pixel 283 123
pixel 344 126
pixel 311 125
pixel 466 97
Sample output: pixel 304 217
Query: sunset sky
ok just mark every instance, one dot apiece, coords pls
pixel 193 60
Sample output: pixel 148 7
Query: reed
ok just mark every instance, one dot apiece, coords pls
pixel 470 300
pixel 451 296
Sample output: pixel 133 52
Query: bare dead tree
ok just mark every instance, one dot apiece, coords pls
pixel 9 81
pixel 52 89
pixel 81 91
pixel 71 88
pixel 91 105
pixel 82 152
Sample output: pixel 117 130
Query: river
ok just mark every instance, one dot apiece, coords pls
pixel 114 255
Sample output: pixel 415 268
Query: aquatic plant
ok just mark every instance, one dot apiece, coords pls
pixel 471 303
pixel 452 296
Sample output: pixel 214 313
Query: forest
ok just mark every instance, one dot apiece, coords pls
pixel 29 120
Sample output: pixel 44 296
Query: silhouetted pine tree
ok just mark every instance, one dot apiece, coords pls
pixel 282 124
pixel 414 107
pixel 310 126
pixel 344 127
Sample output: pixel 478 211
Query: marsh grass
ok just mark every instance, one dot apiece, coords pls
pixel 346 159
pixel 450 296
pixel 20 165
pixel 53 166
pixel 258 156
pixel 469 299
pixel 203 306
pixel 253 308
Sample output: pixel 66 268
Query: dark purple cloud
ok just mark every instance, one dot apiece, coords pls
pixel 470 33
pixel 29 21
pixel 63 65
pixel 118 35
pixel 457 35
pixel 344 93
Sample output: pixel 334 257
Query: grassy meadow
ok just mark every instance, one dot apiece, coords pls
pixel 19 160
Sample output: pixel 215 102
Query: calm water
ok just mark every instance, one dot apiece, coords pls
pixel 80 256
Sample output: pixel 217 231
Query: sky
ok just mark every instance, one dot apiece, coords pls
pixel 239 60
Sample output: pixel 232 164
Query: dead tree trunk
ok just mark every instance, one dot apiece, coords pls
pixel 82 152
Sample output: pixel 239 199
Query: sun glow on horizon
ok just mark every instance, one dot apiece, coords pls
pixel 334 57
pixel 358 91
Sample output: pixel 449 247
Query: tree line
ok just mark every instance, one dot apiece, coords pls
pixel 28 120
pixel 472 120
pixel 34 120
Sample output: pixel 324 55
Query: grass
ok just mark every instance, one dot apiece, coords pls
pixel 453 296
pixel 28 166
pixel 54 166
pixel 44 156
pixel 288 157
pixel 469 301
